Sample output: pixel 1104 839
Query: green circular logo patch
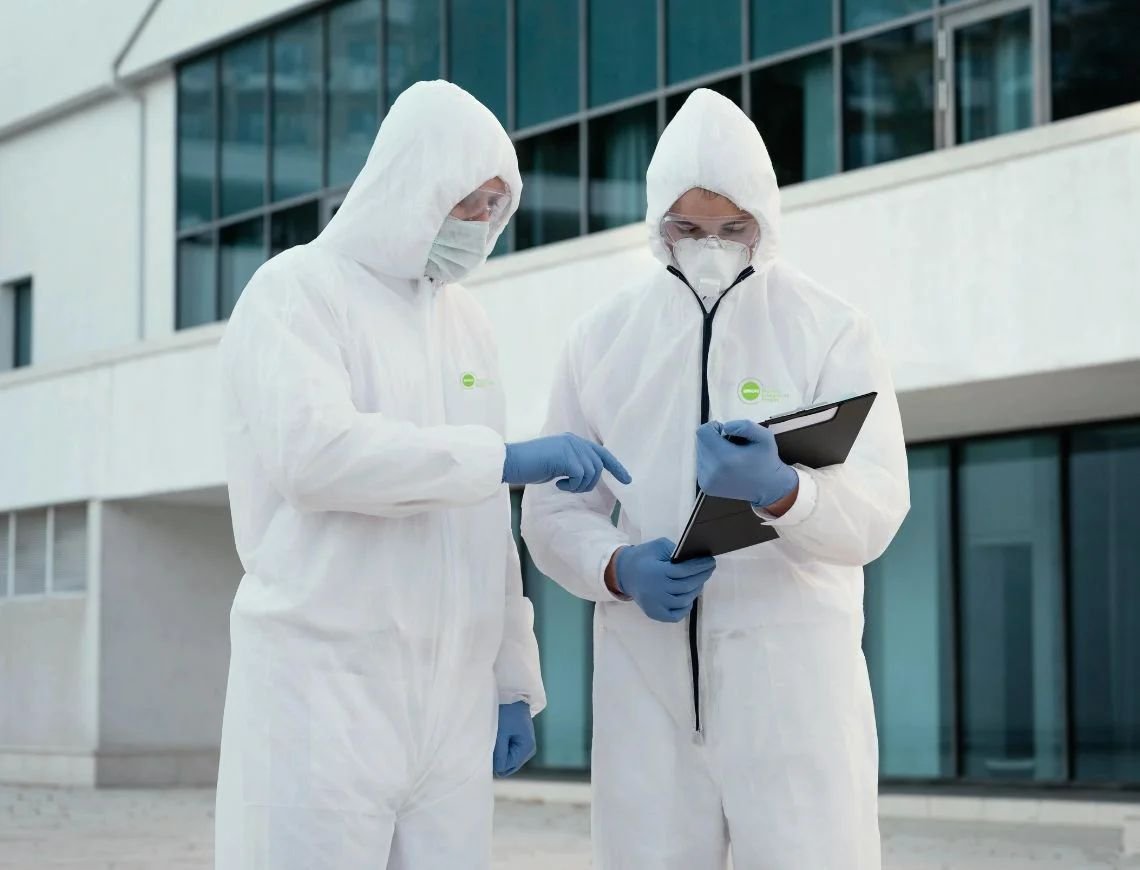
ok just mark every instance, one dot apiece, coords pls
pixel 750 391
pixel 468 381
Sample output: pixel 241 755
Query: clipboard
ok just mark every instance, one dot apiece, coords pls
pixel 816 437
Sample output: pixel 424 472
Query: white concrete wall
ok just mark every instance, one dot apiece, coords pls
pixel 169 574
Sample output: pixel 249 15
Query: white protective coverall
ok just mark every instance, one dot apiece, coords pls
pixel 785 762
pixel 381 617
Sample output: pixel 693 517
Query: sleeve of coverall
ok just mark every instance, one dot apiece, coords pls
pixel 282 359
pixel 517 672
pixel 847 514
pixel 571 537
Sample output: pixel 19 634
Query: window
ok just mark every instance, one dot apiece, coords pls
pixel 793 105
pixel 197 141
pixel 1104 529
pixel 1095 61
pixel 780 25
pixel 241 249
pixel 701 38
pixel 620 147
pixel 413 44
pixel 293 226
pixel 16 324
pixel 353 111
pixel 546 61
pixel 69 549
pixel 726 87
pixel 992 79
pixel 243 133
pixel 867 13
pixel 297 70
pixel 43 551
pixel 29 552
pixel 477 47
pixel 550 210
pixel 5 555
pixel 197 301
pixel 622 49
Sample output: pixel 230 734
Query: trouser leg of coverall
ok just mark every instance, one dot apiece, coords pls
pixel 447 832
pixel 655 806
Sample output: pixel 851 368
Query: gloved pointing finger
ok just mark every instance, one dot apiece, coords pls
pixel 576 463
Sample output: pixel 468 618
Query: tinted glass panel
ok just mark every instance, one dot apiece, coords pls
pixel 729 87
pixel 241 251
pixel 22 343
pixel 551 205
pixel 701 37
pixel 413 44
pixel 623 49
pixel 293 226
pixel 1096 63
pixel 793 105
pixel 866 13
pixel 1010 552
pixel 29 574
pixel 297 70
pixel 197 291
pixel 780 25
pixel 546 46
pixel 993 77
pixel 907 638
pixel 888 96
pixel 1105 532
pixel 478 51
pixel 244 69
pixel 197 141
pixel 353 87
pixel 620 148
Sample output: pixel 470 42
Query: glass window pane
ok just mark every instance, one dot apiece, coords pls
pixel 623 49
pixel 888 96
pixel 701 37
pixel 546 65
pixel 293 226
pixel 551 205
pixel 1105 551
pixel 197 141
pixel 353 114
pixel 907 640
pixel 197 291
pixel 1010 551
pixel 29 570
pixel 241 249
pixel 477 47
pixel 244 69
pixel 866 13
pixel 793 105
pixel 297 72
pixel 729 87
pixel 23 307
pixel 993 77
pixel 413 44
pixel 779 25
pixel 69 549
pixel 5 541
pixel 620 147
pixel 1096 64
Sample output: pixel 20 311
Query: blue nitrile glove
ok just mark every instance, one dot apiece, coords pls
pixel 567 456
pixel 514 744
pixel 752 472
pixel 665 591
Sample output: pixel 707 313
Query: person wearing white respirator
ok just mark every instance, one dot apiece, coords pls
pixel 383 661
pixel 732 710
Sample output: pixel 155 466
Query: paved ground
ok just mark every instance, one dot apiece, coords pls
pixel 170 830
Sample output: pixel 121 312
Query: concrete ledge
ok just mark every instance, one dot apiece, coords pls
pixel 63 767
pixel 147 768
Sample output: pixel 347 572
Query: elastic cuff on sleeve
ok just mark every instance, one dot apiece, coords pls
pixel 801 509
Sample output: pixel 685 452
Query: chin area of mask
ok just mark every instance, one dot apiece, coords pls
pixel 459 247
pixel 711 264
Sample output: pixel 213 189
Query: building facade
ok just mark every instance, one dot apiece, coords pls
pixel 967 173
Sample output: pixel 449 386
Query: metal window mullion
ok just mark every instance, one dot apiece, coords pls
pixel 745 56
pixel 1043 61
pixel 1068 665
pixel 444 40
pixel 382 60
pixel 900 23
pixel 956 645
pixel 661 61
pixel 49 550
pixel 583 124
pixel 323 91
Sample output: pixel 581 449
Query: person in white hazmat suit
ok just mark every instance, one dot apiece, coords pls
pixel 740 719
pixel 381 622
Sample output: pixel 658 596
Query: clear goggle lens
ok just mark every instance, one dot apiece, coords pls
pixel 483 204
pixel 741 228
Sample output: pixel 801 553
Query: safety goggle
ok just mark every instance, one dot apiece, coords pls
pixel 483 204
pixel 741 228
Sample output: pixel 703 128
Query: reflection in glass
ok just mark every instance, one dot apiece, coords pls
pixel 353 87
pixel 867 13
pixel 701 37
pixel 793 105
pixel 888 96
pixel 780 25
pixel 623 49
pixel 908 640
pixel 293 226
pixel 241 250
pixel 412 44
pixel 729 87
pixel 1095 61
pixel 297 65
pixel 546 65
pixel 197 141
pixel 1104 471
pixel 477 47
pixel 1010 552
pixel 550 208
pixel 197 291
pixel 993 77
pixel 244 70
pixel 620 147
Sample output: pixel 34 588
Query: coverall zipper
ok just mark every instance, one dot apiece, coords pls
pixel 695 615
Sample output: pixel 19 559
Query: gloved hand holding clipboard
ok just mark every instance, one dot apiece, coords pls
pixel 814 437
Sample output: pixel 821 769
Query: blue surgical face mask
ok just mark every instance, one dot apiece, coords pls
pixel 458 248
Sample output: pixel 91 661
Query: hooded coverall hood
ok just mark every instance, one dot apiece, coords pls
pixel 436 145
pixel 712 144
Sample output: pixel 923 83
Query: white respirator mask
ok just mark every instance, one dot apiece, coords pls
pixel 710 264
pixel 458 248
